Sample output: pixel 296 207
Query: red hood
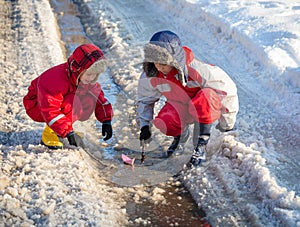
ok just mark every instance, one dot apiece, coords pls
pixel 189 55
pixel 82 58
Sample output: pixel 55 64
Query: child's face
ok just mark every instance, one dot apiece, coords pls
pixel 165 69
pixel 87 78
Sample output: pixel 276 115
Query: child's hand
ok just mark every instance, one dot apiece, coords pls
pixel 107 130
pixel 75 140
pixel 145 133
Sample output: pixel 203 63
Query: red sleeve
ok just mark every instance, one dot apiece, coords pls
pixel 103 110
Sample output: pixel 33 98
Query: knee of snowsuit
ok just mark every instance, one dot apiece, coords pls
pixel 204 108
pixel 171 118
pixel 33 111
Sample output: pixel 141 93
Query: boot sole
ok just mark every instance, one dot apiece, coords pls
pixel 52 147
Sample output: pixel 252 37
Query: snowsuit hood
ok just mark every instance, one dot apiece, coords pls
pixel 86 57
pixel 165 48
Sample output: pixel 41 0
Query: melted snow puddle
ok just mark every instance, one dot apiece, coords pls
pixel 170 204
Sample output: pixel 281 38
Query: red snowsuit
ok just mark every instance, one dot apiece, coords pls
pixel 56 97
pixel 184 105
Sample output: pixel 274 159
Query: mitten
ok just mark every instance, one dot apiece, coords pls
pixel 107 130
pixel 145 133
pixel 75 140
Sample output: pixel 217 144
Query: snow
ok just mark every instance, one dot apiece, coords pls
pixel 251 177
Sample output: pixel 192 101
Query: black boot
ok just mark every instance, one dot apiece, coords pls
pixel 199 153
pixel 200 139
pixel 172 148
pixel 179 141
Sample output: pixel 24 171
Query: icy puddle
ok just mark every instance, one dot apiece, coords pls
pixel 176 208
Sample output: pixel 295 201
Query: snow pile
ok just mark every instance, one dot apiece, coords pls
pixel 57 188
pixel 241 175
pixel 269 30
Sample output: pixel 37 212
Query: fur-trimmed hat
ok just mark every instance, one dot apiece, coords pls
pixel 98 67
pixel 164 48
pixel 86 57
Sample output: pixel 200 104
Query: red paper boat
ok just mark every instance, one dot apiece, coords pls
pixel 127 160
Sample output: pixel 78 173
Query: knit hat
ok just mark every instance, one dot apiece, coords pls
pixel 87 57
pixel 164 48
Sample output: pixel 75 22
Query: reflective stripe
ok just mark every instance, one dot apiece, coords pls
pixel 56 119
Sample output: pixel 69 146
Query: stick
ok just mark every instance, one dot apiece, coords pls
pixel 143 151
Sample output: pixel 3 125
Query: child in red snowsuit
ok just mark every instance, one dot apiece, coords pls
pixel 196 93
pixel 69 92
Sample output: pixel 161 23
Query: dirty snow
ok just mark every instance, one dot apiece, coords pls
pixel 252 174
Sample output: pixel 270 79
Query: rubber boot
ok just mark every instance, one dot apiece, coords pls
pixel 199 153
pixel 50 139
pixel 200 140
pixel 178 141
pixel 173 146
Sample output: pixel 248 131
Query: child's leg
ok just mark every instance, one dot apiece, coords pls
pixel 171 120
pixel 33 110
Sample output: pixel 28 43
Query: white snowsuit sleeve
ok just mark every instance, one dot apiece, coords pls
pixel 147 96
pixel 214 77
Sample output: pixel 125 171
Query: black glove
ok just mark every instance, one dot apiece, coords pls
pixel 75 140
pixel 107 130
pixel 145 133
